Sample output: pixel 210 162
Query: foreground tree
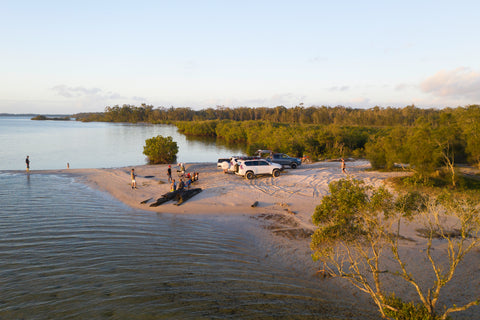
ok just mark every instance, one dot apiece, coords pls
pixel 160 149
pixel 359 232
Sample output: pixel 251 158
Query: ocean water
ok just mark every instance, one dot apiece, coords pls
pixel 53 144
pixel 70 252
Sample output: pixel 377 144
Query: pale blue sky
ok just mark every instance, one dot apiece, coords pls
pixel 67 57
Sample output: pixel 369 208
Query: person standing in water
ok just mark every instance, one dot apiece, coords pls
pixel 27 162
pixel 133 176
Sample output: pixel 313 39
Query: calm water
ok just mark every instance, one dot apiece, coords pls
pixel 70 252
pixel 51 144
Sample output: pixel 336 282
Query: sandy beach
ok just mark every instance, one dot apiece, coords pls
pixel 296 192
pixel 285 206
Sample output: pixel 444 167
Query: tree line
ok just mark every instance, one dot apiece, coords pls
pixel 454 137
pixel 314 141
pixel 418 139
pixel 322 115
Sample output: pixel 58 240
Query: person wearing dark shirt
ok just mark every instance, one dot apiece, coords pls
pixel 169 173
pixel 181 184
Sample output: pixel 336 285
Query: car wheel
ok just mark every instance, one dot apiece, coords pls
pixel 293 165
pixel 249 175
pixel 276 173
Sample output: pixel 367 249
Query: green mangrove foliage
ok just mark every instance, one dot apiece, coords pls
pixel 427 145
pixel 323 115
pixel 358 239
pixel 295 139
pixel 422 140
pixel 160 149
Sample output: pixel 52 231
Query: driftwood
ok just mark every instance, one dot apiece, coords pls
pixel 185 194
pixel 179 195
pixel 145 201
pixel 165 197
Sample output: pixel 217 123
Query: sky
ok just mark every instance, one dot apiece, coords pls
pixel 81 56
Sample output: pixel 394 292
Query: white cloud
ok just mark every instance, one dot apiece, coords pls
pixel 82 92
pixel 459 83
pixel 93 99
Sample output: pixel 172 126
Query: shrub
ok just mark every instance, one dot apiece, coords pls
pixel 160 149
pixel 355 239
pixel 407 310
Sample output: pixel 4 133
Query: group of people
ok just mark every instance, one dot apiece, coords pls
pixel 190 178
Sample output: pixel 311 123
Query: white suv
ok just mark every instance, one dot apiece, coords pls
pixel 252 168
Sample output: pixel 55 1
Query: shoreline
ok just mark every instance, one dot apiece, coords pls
pixel 284 211
pixel 295 193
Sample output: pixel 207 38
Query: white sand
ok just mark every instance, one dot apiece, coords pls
pixel 299 190
pixel 287 202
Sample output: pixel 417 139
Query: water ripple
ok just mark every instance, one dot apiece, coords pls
pixel 69 252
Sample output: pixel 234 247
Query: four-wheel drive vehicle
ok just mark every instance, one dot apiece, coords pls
pixel 252 168
pixel 281 158
pixel 222 160
pixel 232 162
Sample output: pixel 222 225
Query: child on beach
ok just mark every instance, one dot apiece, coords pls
pixel 173 186
pixel 344 168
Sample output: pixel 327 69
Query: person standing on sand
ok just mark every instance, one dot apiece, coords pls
pixel 169 173
pixel 344 168
pixel 27 162
pixel 133 176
